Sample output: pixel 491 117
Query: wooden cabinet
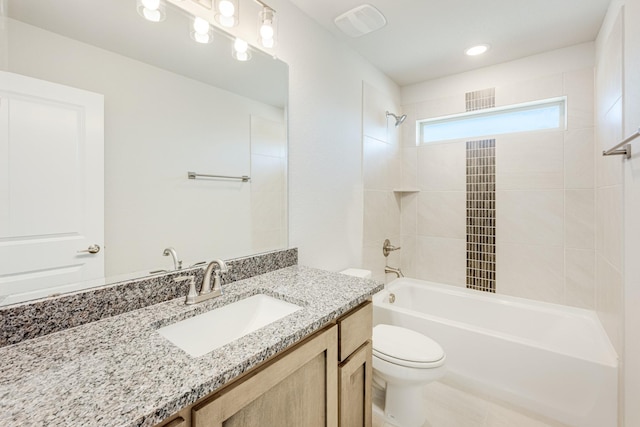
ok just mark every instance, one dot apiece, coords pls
pixel 297 389
pixel 323 381
pixel 355 370
pixel 355 388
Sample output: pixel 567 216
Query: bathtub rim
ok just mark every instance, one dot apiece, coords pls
pixel 609 356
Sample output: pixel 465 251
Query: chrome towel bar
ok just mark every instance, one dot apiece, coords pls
pixel 193 175
pixel 626 147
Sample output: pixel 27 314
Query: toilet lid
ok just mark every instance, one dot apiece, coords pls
pixel 403 346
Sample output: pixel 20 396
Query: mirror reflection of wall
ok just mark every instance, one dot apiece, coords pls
pixel 160 123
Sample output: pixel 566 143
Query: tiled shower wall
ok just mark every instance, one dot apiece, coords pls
pixel 545 197
pixel 382 174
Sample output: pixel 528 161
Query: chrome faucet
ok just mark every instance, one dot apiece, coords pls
pixel 395 271
pixel 215 268
pixel 177 265
pixel 211 269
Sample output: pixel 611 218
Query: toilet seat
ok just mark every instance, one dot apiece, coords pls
pixel 404 347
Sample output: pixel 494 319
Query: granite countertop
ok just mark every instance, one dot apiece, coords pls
pixel 120 372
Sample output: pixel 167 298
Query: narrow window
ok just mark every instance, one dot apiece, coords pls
pixel 540 115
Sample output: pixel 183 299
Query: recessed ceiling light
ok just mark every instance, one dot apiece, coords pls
pixel 477 50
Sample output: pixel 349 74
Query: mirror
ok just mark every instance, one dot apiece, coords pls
pixel 162 105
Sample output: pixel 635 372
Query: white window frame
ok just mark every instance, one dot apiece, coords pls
pixel 561 101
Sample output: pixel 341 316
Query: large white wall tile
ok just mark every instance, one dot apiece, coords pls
pixel 609 171
pixel 409 214
pixel 580 219
pixel 612 222
pixel 530 216
pixel 441 260
pixel 382 167
pixel 409 255
pixel 442 167
pixel 381 216
pixel 580 278
pixel 442 214
pixel 409 157
pixel 268 173
pixel 531 90
pixel 529 160
pixel 609 300
pixel 579 162
pixel 579 89
pixel 530 271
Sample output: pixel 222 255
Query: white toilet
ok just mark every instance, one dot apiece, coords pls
pixel 404 361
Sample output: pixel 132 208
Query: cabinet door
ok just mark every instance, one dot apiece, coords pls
pixel 355 388
pixel 296 389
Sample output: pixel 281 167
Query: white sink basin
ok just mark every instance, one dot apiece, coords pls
pixel 201 334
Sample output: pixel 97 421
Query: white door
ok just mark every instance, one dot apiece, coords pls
pixel 51 185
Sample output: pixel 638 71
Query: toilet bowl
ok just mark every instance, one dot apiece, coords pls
pixel 404 361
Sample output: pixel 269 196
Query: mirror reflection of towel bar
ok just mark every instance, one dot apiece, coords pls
pixel 193 175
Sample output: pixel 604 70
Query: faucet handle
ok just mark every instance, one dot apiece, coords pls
pixel 387 247
pixel 193 293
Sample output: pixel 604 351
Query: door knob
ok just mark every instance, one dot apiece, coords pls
pixel 93 249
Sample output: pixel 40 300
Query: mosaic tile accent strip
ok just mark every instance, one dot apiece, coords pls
pixel 481 215
pixel 480 99
pixel 28 320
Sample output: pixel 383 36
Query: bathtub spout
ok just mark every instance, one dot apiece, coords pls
pixel 395 271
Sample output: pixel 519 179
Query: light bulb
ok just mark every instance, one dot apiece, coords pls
pixel 226 21
pixel 242 56
pixel 240 46
pixel 477 50
pixel 268 43
pixel 200 26
pixel 151 4
pixel 266 30
pixel 152 15
pixel 226 8
pixel 202 38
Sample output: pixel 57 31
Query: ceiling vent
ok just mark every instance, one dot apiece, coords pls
pixel 360 21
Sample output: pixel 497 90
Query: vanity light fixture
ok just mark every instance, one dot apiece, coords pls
pixel 227 13
pixel 201 30
pixel 151 10
pixel 267 29
pixel 477 50
pixel 241 50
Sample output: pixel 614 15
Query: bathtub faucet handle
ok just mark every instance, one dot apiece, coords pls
pixel 387 247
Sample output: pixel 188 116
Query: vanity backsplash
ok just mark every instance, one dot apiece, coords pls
pixel 34 319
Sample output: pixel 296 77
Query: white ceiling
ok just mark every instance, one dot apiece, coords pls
pixel 425 39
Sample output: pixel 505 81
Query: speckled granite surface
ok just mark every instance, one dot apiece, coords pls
pixel 120 372
pixel 37 318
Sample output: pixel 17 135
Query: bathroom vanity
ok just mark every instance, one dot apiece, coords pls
pixel 324 380
pixel 312 367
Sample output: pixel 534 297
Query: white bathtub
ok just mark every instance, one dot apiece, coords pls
pixel 553 360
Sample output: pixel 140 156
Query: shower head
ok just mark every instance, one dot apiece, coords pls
pixel 399 120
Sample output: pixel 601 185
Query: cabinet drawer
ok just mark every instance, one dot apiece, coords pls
pixel 354 329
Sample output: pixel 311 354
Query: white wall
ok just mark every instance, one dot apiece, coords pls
pixel 325 140
pixel 618 86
